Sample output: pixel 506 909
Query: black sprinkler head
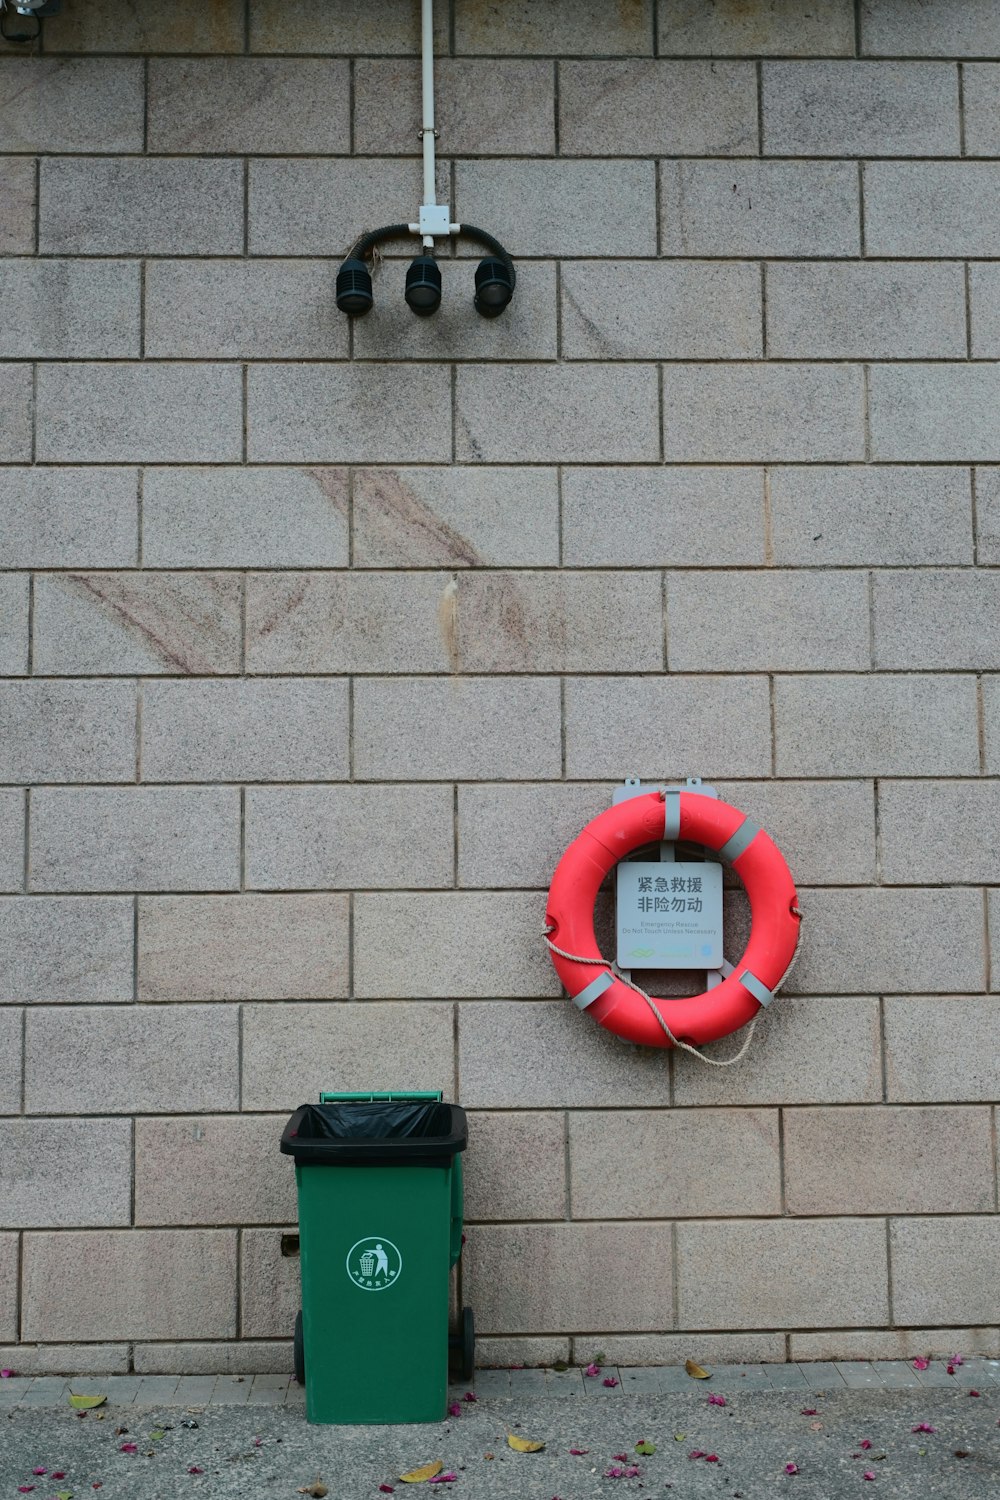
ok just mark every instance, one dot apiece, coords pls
pixel 354 288
pixel 423 285
pixel 494 286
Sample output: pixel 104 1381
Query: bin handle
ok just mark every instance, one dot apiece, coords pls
pixel 457 1209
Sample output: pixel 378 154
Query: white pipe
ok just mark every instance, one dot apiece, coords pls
pixel 427 65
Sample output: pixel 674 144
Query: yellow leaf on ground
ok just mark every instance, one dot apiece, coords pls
pixel 426 1471
pixel 523 1445
pixel 86 1403
pixel 317 1489
pixel 695 1371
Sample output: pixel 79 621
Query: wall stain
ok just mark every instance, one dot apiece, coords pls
pixel 397 504
pixel 284 605
pixel 448 621
pixel 181 634
pixel 333 483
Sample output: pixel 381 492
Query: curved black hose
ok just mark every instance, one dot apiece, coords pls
pixel 491 244
pixel 367 242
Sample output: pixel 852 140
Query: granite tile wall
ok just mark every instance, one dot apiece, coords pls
pixel 321 641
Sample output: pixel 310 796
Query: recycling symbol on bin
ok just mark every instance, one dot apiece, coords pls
pixel 374 1263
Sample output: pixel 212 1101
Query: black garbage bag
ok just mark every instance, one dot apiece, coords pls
pixel 376 1132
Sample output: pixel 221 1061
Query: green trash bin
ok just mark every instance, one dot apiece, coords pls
pixel 379 1180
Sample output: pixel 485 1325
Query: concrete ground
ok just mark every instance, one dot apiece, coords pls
pixel 847 1429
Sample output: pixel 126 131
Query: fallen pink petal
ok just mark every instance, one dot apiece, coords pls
pixel 920 1363
pixel 697 1453
pixel 808 1411
pixel 6 1374
pixel 923 1427
pixel 57 1474
pixel 448 1478
pixel 868 1474
pixel 609 1380
pixel 128 1448
pixel 791 1468
pixel 386 1489
pixel 579 1452
pixel 715 1400
pixel 633 1471
pixel 194 1469
pixel 957 1359
pixel 621 1458
pixel 39 1471
pixel 470 1396
pixel 615 1472
pixel 592 1370
pixel 865 1443
pixel 455 1409
pixel 25 1489
pixel 973 1393
pixel 712 1458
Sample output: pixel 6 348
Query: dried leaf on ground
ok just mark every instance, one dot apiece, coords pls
pixel 425 1472
pixel 523 1445
pixel 695 1371
pixel 645 1448
pixel 86 1403
pixel 317 1489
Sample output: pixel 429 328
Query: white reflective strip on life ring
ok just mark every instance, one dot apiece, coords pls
pixel 594 990
pixel 756 987
pixel 671 817
pixel 739 842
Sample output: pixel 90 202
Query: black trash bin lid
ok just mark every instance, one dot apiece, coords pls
pixel 375 1133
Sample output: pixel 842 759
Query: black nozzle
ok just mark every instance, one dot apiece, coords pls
pixel 423 285
pixel 354 288
pixel 494 286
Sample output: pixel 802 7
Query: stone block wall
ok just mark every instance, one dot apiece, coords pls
pixel 321 641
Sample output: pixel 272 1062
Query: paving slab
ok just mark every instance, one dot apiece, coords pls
pixel 653 1380
pixel 936 1374
pixel 527 1383
pixel 859 1374
pixel 564 1382
pixel 195 1390
pixel 121 1390
pixel 232 1390
pixel 786 1377
pixel 822 1374
pixel 608 1383
pixel 898 1374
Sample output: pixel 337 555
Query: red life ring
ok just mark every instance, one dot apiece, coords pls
pixel 774 915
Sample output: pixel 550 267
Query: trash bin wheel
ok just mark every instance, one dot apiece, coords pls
pixel 462 1345
pixel 299 1350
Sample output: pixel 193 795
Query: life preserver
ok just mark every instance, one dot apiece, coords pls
pixel 774 916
